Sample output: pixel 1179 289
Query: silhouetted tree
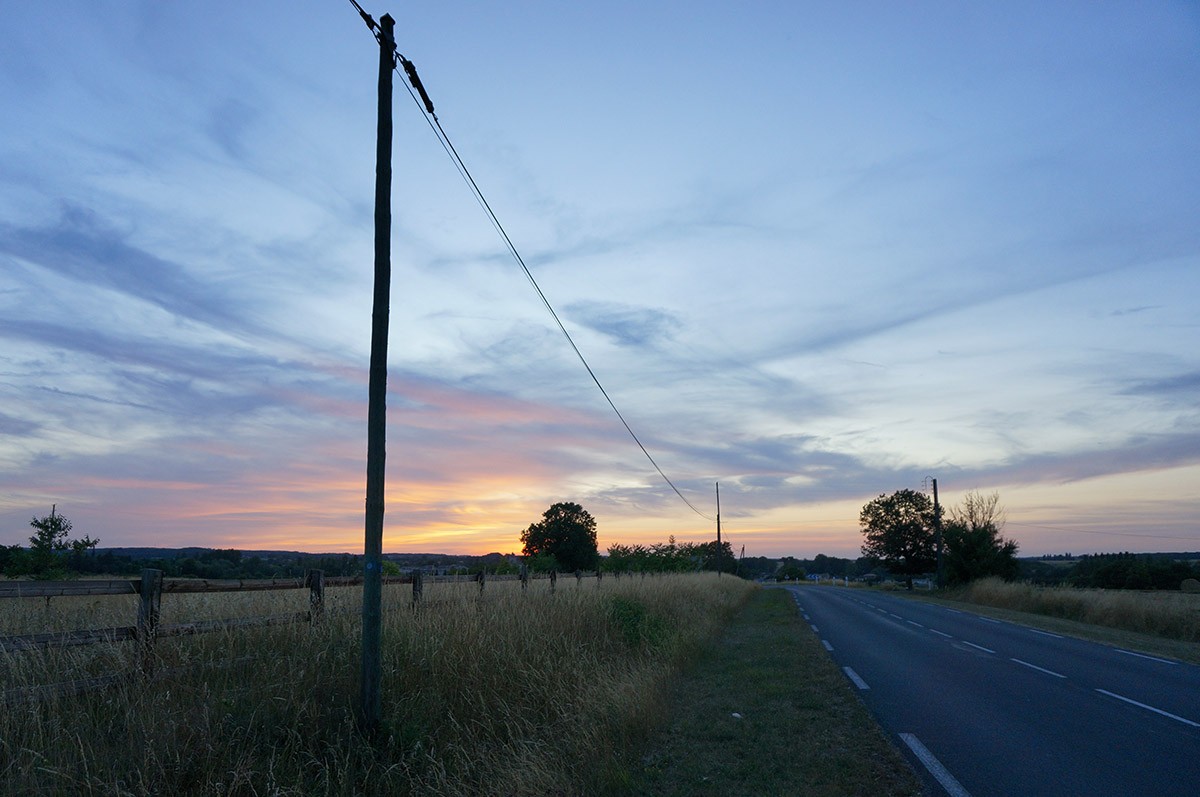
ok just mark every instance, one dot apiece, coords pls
pixel 49 544
pixel 974 547
pixel 898 531
pixel 568 533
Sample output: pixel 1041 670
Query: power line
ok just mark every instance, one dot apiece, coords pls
pixel 426 104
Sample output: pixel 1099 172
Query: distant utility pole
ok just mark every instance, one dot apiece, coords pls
pixel 719 550
pixel 371 711
pixel 937 527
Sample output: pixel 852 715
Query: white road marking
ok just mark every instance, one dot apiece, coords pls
pixel 806 617
pixel 853 676
pixel 1144 656
pixel 911 622
pixel 956 611
pixel 893 614
pixel 1045 633
pixel 990 620
pixel 939 772
pixel 978 647
pixel 941 633
pixel 1039 669
pixel 1151 708
pixel 828 646
pixel 815 629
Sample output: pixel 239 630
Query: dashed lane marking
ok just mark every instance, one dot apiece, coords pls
pixel 1039 669
pixel 1150 708
pixel 1144 656
pixel 1045 633
pixel 853 676
pixel 939 772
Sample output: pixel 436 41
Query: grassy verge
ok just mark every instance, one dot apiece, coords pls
pixel 515 694
pixel 1150 623
pixel 801 729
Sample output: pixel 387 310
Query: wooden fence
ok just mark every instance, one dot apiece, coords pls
pixel 150 589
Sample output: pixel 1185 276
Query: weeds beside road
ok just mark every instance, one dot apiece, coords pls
pixel 1156 623
pixel 800 729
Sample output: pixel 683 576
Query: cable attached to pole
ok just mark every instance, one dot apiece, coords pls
pixel 410 72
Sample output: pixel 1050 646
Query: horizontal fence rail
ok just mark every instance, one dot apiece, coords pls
pixel 151 587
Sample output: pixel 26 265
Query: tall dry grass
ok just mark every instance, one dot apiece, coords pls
pixel 1172 615
pixel 515 694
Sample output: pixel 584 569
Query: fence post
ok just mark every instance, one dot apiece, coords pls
pixel 524 578
pixel 579 578
pixel 147 619
pixel 553 580
pixel 315 581
pixel 481 578
pixel 599 576
pixel 418 578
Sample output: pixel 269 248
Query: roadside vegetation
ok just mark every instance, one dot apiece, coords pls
pixel 514 694
pixel 766 711
pixel 1171 615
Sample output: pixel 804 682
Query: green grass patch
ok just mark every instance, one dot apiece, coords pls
pixel 800 730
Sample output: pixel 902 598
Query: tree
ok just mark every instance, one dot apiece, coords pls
pixel 898 531
pixel 716 556
pixel 568 533
pixel 49 545
pixel 974 547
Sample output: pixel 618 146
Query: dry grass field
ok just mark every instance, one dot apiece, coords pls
pixel 1171 615
pixel 511 694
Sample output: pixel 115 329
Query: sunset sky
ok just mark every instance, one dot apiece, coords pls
pixel 815 252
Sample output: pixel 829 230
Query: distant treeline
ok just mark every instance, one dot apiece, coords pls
pixel 1116 571
pixel 228 563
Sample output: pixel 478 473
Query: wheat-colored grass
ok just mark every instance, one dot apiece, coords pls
pixel 515 693
pixel 1173 615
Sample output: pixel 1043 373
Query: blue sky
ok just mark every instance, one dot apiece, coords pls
pixel 815 252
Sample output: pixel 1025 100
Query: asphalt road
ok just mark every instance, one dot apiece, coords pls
pixel 983 707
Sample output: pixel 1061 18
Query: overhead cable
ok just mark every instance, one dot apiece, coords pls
pixel 426 104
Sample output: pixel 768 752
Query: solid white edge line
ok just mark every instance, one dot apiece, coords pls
pixel 853 676
pixel 1150 708
pixel 1144 656
pixel 1045 633
pixel 1039 669
pixel 939 772
pixel 828 646
pixel 979 647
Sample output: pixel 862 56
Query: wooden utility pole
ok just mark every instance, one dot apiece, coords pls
pixel 718 529
pixel 371 710
pixel 937 527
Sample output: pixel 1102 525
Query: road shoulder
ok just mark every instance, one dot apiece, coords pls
pixel 766 711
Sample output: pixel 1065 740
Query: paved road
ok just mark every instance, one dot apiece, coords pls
pixel 984 707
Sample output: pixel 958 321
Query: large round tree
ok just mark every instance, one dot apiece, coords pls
pixel 568 533
pixel 898 530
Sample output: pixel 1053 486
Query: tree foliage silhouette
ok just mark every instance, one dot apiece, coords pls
pixel 898 530
pixel 974 547
pixel 49 545
pixel 566 532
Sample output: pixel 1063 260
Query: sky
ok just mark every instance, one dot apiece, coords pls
pixel 815 253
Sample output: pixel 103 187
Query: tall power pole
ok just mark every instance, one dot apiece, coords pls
pixel 371 710
pixel 719 551
pixel 937 527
